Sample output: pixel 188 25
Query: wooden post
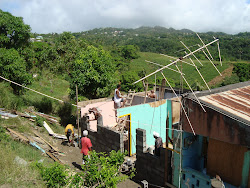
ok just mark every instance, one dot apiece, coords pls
pixel 162 90
pixel 166 153
pixel 77 115
pixel 146 89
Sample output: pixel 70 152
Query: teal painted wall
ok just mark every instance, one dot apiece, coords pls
pixel 143 116
pixel 245 169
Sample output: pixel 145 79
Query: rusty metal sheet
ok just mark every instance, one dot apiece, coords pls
pixel 236 101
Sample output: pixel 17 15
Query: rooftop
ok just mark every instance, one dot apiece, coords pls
pixel 233 100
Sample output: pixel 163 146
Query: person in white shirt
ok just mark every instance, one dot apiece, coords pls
pixel 118 98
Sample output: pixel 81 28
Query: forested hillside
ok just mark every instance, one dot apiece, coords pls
pixel 97 60
pixel 163 40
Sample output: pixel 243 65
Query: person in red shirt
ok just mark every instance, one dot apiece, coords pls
pixel 86 145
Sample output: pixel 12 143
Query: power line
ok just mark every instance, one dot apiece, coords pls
pixel 35 91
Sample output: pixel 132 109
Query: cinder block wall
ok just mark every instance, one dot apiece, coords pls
pixel 104 140
pixel 140 100
pixel 148 167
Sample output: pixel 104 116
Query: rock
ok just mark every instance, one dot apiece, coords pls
pixel 41 161
pixel 18 160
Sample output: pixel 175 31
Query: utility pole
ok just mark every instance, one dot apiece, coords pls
pixel 77 115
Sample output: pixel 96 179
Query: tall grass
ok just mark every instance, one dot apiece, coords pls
pixel 15 174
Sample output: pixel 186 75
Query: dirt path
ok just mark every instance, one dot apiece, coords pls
pixel 73 158
pixel 218 79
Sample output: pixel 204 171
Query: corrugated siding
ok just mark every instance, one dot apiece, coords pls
pixel 226 160
pixel 235 101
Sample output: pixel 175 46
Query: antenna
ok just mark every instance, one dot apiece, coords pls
pixel 174 62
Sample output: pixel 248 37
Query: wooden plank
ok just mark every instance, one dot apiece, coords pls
pixel 172 150
pixel 53 157
pixel 23 138
pixel 52 147
pixel 146 90
pixel 47 127
pixel 166 170
pixel 49 118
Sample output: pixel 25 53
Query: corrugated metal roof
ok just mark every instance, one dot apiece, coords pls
pixel 235 101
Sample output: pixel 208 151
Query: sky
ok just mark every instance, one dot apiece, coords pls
pixel 47 16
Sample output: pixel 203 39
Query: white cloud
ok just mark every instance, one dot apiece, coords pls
pixel 45 16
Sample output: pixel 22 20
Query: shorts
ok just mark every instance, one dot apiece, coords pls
pixel 118 105
pixel 69 131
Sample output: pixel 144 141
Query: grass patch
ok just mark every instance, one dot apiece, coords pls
pixel 15 174
pixel 191 75
pixel 48 84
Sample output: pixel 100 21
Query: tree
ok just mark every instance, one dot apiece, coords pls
pixel 93 73
pixel 127 80
pixel 13 32
pixel 67 48
pixel 13 67
pixel 129 51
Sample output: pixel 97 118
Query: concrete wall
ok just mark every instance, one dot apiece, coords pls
pixel 140 100
pixel 149 167
pixel 104 139
pixel 215 125
pixel 193 178
pixel 143 116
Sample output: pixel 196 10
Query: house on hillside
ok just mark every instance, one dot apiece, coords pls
pixel 145 113
pixel 222 141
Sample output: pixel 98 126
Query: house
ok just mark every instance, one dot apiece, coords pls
pixel 222 140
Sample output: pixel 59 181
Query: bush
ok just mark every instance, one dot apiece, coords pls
pixel 242 70
pixel 103 170
pixel 55 175
pixel 45 105
pixel 65 113
pixel 39 121
pixel 230 80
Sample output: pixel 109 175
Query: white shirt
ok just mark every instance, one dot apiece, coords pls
pixel 116 98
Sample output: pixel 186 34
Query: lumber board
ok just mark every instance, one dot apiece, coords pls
pixel 52 147
pixel 50 119
pixel 53 157
pixel 47 127
pixel 172 150
pixel 26 140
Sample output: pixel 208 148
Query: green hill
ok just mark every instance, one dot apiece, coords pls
pixel 191 75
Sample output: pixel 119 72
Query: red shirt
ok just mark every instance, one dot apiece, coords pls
pixel 86 145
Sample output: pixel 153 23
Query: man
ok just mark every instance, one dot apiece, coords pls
pixel 68 131
pixel 151 94
pixel 98 116
pixel 118 98
pixel 158 143
pixel 86 145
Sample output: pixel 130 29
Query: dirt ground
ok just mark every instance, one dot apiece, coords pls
pixel 72 157
pixel 219 79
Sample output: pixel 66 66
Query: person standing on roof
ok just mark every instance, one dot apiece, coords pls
pixel 86 145
pixel 118 98
pixel 98 116
pixel 68 131
pixel 158 143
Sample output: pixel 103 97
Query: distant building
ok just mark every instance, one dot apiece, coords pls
pixel 39 38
